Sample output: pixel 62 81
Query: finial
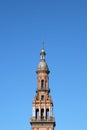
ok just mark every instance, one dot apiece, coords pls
pixel 42 53
pixel 43 45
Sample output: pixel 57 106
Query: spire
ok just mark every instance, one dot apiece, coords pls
pixel 43 45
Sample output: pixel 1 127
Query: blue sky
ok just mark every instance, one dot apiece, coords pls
pixel 63 26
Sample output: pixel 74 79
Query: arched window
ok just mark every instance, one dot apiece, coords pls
pixel 47 113
pixel 42 113
pixel 42 84
pixel 42 97
pixel 37 113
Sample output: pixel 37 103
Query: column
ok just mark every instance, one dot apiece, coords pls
pixel 39 112
pixel 33 111
pixel 44 112
pixel 51 111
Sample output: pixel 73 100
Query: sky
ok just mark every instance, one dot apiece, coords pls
pixel 62 24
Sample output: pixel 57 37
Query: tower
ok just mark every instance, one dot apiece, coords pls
pixel 42 105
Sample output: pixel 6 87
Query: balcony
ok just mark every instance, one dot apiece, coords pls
pixel 45 120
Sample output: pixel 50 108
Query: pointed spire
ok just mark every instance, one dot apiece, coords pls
pixel 43 45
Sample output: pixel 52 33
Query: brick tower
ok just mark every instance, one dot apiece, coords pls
pixel 42 105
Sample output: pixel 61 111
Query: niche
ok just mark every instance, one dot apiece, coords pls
pixel 42 97
pixel 42 84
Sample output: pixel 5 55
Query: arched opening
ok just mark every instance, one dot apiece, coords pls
pixel 47 113
pixel 42 113
pixel 42 97
pixel 42 84
pixel 37 113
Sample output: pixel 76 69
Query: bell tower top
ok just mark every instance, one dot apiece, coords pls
pixel 43 67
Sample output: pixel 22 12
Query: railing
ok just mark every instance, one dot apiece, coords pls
pixel 51 119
